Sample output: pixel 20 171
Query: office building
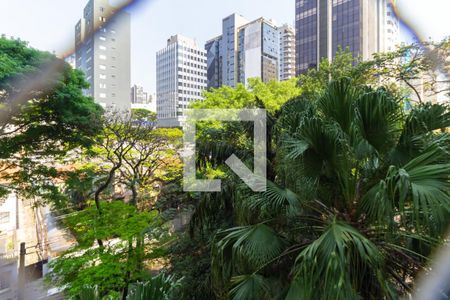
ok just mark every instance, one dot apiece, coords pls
pixel 138 95
pixel 229 48
pixel 259 51
pixel 249 49
pixel 214 62
pixel 287 52
pixel 102 52
pixel 392 28
pixel 323 26
pixel 180 79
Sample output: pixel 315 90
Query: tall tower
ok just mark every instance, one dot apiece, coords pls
pixel 259 51
pixel 229 48
pixel 287 52
pixel 102 52
pixel 214 62
pixel 392 27
pixel 324 26
pixel 180 79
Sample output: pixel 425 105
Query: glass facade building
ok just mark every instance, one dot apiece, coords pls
pixel 258 51
pixel 364 27
pixel 214 62
pixel 306 34
pixel 346 20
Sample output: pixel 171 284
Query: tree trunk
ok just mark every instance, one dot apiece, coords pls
pixel 134 194
pixel 103 187
pixel 99 190
pixel 128 273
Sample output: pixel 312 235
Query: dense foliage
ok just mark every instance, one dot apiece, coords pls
pixel 357 192
pixel 43 115
pixel 132 237
pixel 357 200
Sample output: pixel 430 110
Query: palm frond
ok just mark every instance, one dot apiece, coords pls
pixel 274 201
pixel 378 116
pixel 158 287
pixel 418 190
pixel 337 103
pixel 252 245
pixel 250 287
pixel 292 114
pixel 335 265
pixel 418 131
pixel 427 117
pixel 241 250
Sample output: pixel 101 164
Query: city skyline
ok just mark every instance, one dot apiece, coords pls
pixel 150 24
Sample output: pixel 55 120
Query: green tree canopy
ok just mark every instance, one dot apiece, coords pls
pixel 43 112
pixel 357 199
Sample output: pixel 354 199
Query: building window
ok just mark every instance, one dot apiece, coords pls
pixel 102 67
pixel 103 85
pixel 101 47
pixel 102 95
pixel 101 56
pixel 102 76
pixel 102 38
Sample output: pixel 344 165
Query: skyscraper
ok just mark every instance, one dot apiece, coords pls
pixel 102 51
pixel 214 62
pixel 229 48
pixel 249 49
pixel 180 79
pixel 324 26
pixel 259 51
pixel 287 52
pixel 391 29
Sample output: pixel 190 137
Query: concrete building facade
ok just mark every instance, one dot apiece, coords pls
pixel 102 52
pixel 180 79
pixel 287 52
pixel 229 50
pixel 324 26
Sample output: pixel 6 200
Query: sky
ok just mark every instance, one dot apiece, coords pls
pixel 49 24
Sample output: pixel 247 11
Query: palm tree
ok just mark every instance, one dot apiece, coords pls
pixel 358 201
pixel 159 287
